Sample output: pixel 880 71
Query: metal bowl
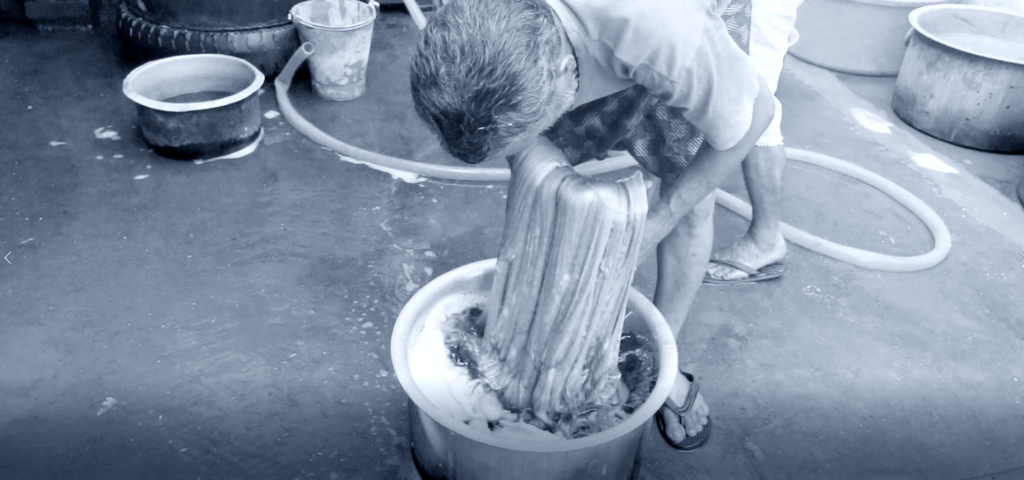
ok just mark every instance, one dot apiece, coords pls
pixel 860 37
pixel 444 448
pixel 962 80
pixel 197 106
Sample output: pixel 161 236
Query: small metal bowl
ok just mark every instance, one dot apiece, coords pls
pixel 197 106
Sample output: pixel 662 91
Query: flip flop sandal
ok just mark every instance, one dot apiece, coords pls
pixel 689 443
pixel 767 272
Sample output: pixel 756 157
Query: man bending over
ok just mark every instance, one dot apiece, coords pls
pixel 568 80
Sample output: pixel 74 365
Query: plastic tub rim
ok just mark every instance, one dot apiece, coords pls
pixel 915 22
pixel 129 85
pixel 660 332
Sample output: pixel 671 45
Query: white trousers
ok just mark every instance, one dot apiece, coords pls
pixel 771 29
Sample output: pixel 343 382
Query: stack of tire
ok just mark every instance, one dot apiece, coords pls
pixel 258 31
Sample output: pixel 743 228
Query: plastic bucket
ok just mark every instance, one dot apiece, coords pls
pixel 341 34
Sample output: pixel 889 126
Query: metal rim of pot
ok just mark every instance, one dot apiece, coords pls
pixel 915 21
pixel 130 91
pixel 663 385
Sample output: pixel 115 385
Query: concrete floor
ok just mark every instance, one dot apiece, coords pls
pixel 166 320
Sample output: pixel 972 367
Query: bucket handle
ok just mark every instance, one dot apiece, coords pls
pixel 906 38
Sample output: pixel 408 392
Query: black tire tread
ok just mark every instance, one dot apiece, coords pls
pixel 267 48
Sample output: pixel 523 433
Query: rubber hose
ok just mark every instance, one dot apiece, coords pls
pixel 448 172
pixel 862 258
pixel 856 256
pixel 417 15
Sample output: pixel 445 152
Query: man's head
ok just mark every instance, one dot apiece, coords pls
pixel 489 75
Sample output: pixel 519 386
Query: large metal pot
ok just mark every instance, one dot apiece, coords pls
pixel 862 37
pixel 962 80
pixel 223 114
pixel 444 448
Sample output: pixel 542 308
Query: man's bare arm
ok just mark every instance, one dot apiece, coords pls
pixel 705 172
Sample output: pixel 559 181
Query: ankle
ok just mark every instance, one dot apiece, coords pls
pixel 767 234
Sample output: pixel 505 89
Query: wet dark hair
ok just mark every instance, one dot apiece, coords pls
pixel 484 73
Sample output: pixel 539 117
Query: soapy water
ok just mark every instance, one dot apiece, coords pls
pixel 443 364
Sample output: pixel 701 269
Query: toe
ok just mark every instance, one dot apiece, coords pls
pixel 702 409
pixel 724 272
pixel 695 425
pixel 673 428
pixel 734 274
pixel 697 418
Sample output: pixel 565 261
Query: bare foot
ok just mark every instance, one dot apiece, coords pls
pixel 693 421
pixel 748 251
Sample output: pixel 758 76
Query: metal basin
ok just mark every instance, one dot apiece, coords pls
pixel 962 80
pixel 861 37
pixel 444 448
pixel 197 106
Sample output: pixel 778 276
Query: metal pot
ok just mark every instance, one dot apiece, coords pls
pixel 861 37
pixel 444 448
pixel 197 106
pixel 962 80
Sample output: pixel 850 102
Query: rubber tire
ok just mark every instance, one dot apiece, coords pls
pixel 267 48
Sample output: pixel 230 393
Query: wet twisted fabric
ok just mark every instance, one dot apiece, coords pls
pixel 659 135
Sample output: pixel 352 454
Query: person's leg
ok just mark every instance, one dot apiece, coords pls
pixel 763 243
pixel 682 257
pixel 682 260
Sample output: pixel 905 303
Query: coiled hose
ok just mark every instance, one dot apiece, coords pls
pixel 861 258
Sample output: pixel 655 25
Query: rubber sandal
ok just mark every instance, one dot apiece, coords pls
pixel 689 443
pixel 767 272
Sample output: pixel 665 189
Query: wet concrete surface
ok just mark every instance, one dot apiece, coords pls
pixel 162 319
